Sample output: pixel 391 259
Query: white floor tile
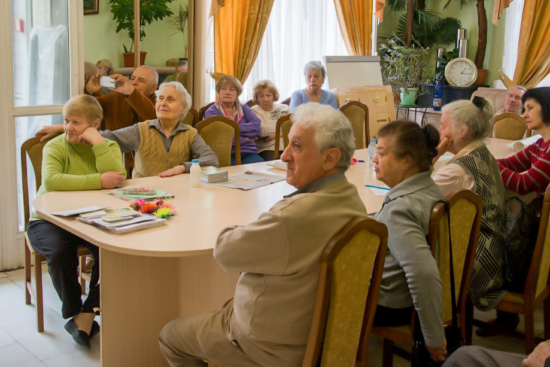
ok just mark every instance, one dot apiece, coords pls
pixel 14 355
pixel 80 358
pixel 3 275
pixel 9 291
pixel 16 315
pixel 15 272
pixel 5 339
pixel 53 342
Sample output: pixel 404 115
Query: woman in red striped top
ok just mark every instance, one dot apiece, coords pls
pixel 529 170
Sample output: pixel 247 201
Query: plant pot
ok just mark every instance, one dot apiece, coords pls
pixel 408 96
pixel 129 59
pixel 481 76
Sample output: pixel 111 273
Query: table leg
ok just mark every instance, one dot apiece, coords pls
pixel 139 295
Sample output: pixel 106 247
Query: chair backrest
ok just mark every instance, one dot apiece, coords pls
pixel 203 109
pixel 282 127
pixel 32 148
pixel 191 118
pixel 466 210
pixel 286 101
pixel 349 282
pixel 538 275
pixel 250 103
pixel 219 132
pixel 358 114
pixel 509 126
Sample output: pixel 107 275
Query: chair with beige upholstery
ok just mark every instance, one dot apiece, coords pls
pixel 32 149
pixel 191 118
pixel 358 114
pixel 466 210
pixel 347 294
pixel 510 126
pixel 282 127
pixel 496 96
pixel 203 109
pixel 218 132
pixel 537 287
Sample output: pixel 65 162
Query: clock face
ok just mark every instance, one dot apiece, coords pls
pixel 461 72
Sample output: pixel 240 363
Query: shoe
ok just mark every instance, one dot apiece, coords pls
pixel 95 329
pixel 79 336
pixel 497 326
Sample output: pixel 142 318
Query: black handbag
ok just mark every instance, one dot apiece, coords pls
pixel 453 335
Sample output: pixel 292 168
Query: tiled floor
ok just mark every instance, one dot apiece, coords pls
pixel 22 346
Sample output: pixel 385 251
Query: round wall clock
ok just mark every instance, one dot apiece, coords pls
pixel 461 72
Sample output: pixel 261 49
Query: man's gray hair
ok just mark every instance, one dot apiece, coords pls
pixel 185 97
pixel 330 127
pixel 520 87
pixel 153 72
pixel 315 65
pixel 477 119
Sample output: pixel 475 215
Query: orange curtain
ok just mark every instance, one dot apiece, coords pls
pixel 355 19
pixel 534 45
pixel 238 31
pixel 498 9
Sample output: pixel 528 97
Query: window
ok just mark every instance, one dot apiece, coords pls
pixel 297 32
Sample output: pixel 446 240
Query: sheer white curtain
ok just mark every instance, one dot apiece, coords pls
pixel 514 13
pixel 298 31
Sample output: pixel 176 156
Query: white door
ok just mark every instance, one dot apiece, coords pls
pixel 41 67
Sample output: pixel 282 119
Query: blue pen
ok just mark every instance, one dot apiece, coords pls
pixel 378 187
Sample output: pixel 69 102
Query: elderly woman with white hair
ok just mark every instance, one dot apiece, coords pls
pixel 265 95
pixel 315 74
pixel 268 320
pixel 464 125
pixel 164 146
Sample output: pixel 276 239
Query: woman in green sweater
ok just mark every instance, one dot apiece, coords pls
pixel 80 159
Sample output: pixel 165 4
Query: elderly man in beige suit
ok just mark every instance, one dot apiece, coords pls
pixel 279 255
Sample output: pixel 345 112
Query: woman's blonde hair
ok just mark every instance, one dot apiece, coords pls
pixel 85 106
pixel 229 79
pixel 108 64
pixel 263 84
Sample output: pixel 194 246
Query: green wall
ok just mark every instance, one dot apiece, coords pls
pixel 468 16
pixel 102 42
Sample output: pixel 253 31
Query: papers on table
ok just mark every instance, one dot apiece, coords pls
pixel 130 225
pixel 379 190
pixel 519 145
pixel 249 180
pixel 118 193
pixel 70 213
pixel 278 164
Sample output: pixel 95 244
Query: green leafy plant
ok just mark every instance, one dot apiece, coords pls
pixel 149 11
pixel 404 66
pixel 178 21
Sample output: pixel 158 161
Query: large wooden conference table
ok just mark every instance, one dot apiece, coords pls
pixel 155 275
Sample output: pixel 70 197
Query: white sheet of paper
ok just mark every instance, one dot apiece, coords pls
pixel 445 157
pixel 68 213
pixel 379 192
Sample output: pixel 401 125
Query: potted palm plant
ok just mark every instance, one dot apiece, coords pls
pixel 149 11
pixel 178 22
pixel 404 68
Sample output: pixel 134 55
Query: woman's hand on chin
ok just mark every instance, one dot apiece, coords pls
pixel 90 136
pixel 444 144
pixel 173 171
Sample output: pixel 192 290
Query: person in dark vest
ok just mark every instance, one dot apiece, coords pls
pixel 464 125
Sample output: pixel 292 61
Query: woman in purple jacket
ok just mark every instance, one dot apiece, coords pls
pixel 228 89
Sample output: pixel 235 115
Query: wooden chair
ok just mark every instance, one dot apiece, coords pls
pixel 286 101
pixel 537 286
pixel 510 126
pixel 32 149
pixel 250 103
pixel 466 210
pixel 219 132
pixel 203 109
pixel 282 127
pixel 347 294
pixel 191 118
pixel 358 114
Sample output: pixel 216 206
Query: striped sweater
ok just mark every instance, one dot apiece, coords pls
pixel 528 170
